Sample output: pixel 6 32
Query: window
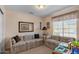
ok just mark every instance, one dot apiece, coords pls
pixel 70 28
pixel 57 28
pixel 66 28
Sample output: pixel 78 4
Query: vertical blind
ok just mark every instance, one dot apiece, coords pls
pixel 65 25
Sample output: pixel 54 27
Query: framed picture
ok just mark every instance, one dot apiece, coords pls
pixel 40 25
pixel 26 26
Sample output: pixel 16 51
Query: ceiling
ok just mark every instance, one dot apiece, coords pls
pixel 37 12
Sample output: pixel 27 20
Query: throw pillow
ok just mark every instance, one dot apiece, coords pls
pixel 16 38
pixel 36 36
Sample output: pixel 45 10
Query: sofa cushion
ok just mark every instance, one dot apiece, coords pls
pixel 33 40
pixel 28 37
pixel 53 41
pixel 49 37
pixel 36 36
pixel 21 37
pixel 38 39
pixel 56 38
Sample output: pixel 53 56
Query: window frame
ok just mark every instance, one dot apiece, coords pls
pixel 63 28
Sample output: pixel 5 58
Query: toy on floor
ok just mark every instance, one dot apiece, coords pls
pixel 75 47
pixel 75 50
pixel 75 43
pixel 61 48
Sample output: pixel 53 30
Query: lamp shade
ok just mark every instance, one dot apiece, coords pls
pixel 44 28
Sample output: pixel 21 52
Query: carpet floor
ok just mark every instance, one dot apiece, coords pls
pixel 38 50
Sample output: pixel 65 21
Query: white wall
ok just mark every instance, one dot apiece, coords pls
pixel 2 30
pixel 12 19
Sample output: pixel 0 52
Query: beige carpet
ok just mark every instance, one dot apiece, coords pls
pixel 38 50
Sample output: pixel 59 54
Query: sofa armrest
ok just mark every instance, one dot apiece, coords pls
pixel 19 44
pixel 51 43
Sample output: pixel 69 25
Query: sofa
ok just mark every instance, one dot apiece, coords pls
pixel 54 41
pixel 27 42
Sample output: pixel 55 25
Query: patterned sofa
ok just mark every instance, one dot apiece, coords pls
pixel 55 40
pixel 27 42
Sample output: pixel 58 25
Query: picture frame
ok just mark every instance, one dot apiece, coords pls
pixel 25 26
pixel 40 25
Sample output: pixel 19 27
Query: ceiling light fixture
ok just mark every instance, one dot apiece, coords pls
pixel 41 6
